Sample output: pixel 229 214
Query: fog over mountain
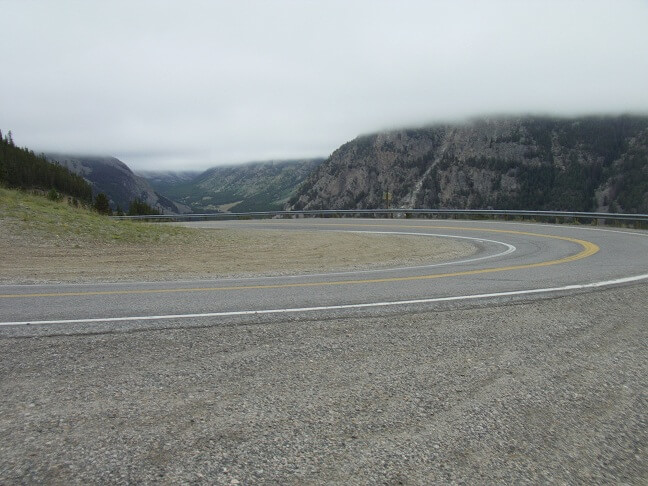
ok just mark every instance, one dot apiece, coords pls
pixel 113 178
pixel 190 85
pixel 579 164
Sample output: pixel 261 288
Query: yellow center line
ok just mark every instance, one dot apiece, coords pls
pixel 588 250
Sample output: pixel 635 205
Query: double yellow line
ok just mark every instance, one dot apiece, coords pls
pixel 588 249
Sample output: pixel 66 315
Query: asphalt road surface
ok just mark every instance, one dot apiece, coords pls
pixel 514 261
pixel 524 363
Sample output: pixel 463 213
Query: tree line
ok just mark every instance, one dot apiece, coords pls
pixel 21 168
pixel 135 208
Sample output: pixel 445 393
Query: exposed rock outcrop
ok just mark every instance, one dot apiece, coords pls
pixel 583 164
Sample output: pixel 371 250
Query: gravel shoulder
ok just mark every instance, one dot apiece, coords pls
pixel 43 241
pixel 537 392
pixel 212 253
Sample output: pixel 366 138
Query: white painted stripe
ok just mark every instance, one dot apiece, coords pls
pixel 605 283
pixel 509 249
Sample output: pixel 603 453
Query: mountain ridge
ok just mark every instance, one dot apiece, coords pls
pixel 586 163
pixel 114 178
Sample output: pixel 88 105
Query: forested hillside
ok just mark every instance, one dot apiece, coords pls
pixel 112 177
pixel 256 186
pixel 21 168
pixel 583 164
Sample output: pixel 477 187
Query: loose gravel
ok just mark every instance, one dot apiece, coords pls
pixel 214 253
pixel 550 391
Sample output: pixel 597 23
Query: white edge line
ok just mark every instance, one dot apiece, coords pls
pixel 509 249
pixel 337 307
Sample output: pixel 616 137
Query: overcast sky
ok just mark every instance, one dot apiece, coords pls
pixel 193 84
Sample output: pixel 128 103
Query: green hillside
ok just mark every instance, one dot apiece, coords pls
pixel 257 186
pixel 21 168
pixel 38 220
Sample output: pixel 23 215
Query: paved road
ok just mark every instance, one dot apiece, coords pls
pixel 514 260
pixel 544 391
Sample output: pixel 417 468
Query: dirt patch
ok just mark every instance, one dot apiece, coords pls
pixel 212 253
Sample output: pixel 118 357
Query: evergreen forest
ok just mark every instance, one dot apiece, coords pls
pixel 21 168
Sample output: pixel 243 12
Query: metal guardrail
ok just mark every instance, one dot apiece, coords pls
pixel 394 213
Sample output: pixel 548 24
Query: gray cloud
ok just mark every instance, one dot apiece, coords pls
pixel 171 84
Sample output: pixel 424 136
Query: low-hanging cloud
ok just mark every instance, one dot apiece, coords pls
pixel 191 84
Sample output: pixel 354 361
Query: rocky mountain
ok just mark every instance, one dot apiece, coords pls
pixel 581 164
pixel 256 186
pixel 112 177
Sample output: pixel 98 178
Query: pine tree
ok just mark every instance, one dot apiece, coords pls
pixel 21 168
pixel 102 205
pixel 140 208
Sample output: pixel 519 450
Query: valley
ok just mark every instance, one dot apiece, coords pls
pixel 256 186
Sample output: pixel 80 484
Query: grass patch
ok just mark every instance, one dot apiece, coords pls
pixel 52 241
pixel 47 219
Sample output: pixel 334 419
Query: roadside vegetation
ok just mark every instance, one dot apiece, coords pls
pixel 40 218
pixel 23 169
pixel 52 230
pixel 44 240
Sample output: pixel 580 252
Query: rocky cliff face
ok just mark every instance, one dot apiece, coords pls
pixel 509 163
pixel 112 177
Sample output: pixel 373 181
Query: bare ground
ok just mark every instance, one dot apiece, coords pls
pixel 29 258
